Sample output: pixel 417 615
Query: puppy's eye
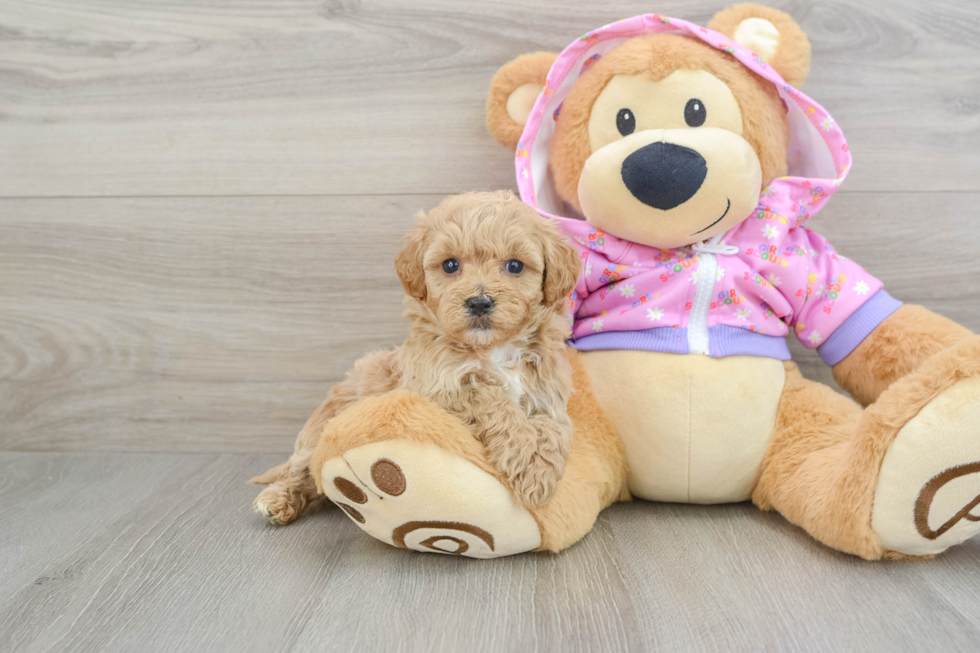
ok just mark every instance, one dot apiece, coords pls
pixel 625 122
pixel 450 266
pixel 514 266
pixel 694 113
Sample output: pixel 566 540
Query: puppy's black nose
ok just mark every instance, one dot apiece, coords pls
pixel 479 305
pixel 664 175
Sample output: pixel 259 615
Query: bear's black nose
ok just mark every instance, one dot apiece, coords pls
pixel 664 175
pixel 479 305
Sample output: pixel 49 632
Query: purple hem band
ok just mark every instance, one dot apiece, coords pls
pixel 664 339
pixel 857 327
pixel 723 340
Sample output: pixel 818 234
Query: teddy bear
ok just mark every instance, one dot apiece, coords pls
pixel 685 165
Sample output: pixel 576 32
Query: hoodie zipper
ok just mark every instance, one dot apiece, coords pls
pixel 698 341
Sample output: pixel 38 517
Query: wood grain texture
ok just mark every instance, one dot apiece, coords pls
pixel 124 552
pixel 218 324
pixel 199 206
pixel 126 98
pixel 189 324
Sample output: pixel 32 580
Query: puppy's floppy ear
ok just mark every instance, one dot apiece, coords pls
pixel 409 261
pixel 513 91
pixel 561 265
pixel 772 35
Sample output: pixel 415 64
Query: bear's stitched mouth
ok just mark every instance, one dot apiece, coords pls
pixel 718 220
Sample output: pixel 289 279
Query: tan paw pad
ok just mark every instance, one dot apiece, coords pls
pixel 928 495
pixel 421 497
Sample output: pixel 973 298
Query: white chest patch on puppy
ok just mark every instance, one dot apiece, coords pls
pixel 505 364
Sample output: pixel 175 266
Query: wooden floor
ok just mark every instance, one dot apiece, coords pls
pixel 199 206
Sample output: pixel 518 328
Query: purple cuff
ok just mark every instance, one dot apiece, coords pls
pixel 857 327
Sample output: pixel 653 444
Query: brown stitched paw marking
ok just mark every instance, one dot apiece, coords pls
pixel 445 540
pixel 442 538
pixel 928 492
pixel 388 477
pixel 353 514
pixel 349 490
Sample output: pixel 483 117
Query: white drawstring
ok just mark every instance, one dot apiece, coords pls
pixel 714 246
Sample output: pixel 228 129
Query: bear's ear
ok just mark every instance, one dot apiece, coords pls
pixel 772 35
pixel 513 91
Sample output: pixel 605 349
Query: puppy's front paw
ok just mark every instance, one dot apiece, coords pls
pixel 536 483
pixel 532 474
pixel 533 458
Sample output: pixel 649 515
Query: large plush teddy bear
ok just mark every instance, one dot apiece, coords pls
pixel 686 165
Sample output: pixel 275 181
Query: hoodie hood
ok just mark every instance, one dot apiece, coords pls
pixel 818 156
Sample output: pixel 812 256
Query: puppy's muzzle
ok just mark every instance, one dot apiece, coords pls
pixel 480 305
pixel 664 175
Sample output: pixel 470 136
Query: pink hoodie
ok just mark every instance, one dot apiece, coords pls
pixel 739 293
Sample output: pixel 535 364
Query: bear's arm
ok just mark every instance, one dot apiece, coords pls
pixel 893 349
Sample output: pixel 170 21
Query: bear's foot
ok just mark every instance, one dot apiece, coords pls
pixel 928 493
pixel 419 496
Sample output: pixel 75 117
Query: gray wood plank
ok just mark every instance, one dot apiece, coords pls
pixel 218 324
pixel 734 578
pixel 160 552
pixel 123 97
pixel 189 324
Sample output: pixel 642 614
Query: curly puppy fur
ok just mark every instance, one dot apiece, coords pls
pixel 504 373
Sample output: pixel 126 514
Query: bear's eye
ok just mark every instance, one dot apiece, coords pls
pixel 625 122
pixel 694 113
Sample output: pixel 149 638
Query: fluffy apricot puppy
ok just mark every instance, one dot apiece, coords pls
pixel 486 279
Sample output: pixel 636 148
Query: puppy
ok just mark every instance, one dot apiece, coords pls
pixel 486 280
